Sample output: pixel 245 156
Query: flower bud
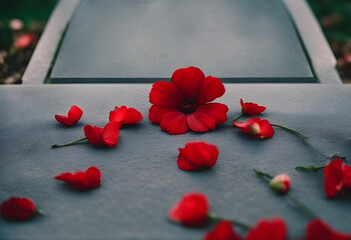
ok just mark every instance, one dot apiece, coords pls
pixel 280 183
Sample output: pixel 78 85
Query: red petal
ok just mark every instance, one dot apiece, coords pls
pixel 165 94
pixel 64 120
pixel 199 154
pixel 188 81
pixel 93 135
pixel 79 181
pixel 74 114
pixel 125 115
pixel 156 113
pixel 217 111
pixel 66 177
pixel 93 176
pixel 251 109
pixel 191 210
pixel 211 89
pixel 273 229
pixel 174 123
pixel 200 122
pixel 347 176
pixel 17 208
pixel 184 164
pixel 333 177
pixel 82 180
pixel 243 126
pixel 110 134
pixel 317 229
pixel 267 130
pixel 222 231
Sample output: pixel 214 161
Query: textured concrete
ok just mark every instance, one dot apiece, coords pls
pixel 144 41
pixel 140 178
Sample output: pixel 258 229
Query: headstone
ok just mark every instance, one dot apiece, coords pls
pixel 138 41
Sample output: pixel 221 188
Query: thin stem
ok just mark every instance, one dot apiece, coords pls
pixel 300 205
pixel 240 115
pixel 263 175
pixel 289 129
pixel 68 144
pixel 214 217
pixel 310 168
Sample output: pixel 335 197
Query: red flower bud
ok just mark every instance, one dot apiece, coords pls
pixel 89 179
pixel 280 183
pixel 222 231
pixel 256 127
pixel 17 209
pixel 197 155
pixel 191 211
pixel 317 229
pixel 74 114
pixel 124 115
pixel 106 136
pixel 250 108
pixel 268 229
pixel 337 177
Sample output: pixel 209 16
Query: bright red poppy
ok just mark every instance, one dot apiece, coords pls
pixel 268 229
pixel 191 211
pixel 222 231
pixel 106 136
pixel 280 183
pixel 24 41
pixel 317 229
pixel 124 115
pixel 89 179
pixel 184 103
pixel 250 108
pixel 17 209
pixel 197 155
pixel 337 177
pixel 74 114
pixel 256 127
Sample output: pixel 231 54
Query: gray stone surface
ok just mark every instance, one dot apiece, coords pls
pixel 146 40
pixel 140 178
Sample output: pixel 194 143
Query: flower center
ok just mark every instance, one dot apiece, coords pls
pixel 187 107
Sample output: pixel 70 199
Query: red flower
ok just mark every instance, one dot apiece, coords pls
pixel 256 127
pixel 74 114
pixel 124 115
pixel 197 155
pixel 337 177
pixel 280 183
pixel 222 231
pixel 184 103
pixel 191 211
pixel 17 208
pixel 273 229
pixel 89 179
pixel 24 41
pixel 317 229
pixel 250 108
pixel 106 136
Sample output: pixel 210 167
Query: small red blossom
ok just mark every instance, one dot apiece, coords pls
pixel 24 41
pixel 197 155
pixel 106 136
pixel 250 108
pixel 89 179
pixel 280 183
pixel 191 211
pixel 337 177
pixel 317 229
pixel 273 229
pixel 17 209
pixel 74 114
pixel 124 115
pixel 222 231
pixel 256 127
pixel 184 103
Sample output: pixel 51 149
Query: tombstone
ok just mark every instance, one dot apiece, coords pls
pixel 117 41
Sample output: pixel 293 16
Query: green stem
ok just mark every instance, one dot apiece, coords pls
pixel 214 217
pixel 289 129
pixel 310 168
pixel 240 115
pixel 300 205
pixel 263 175
pixel 68 144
